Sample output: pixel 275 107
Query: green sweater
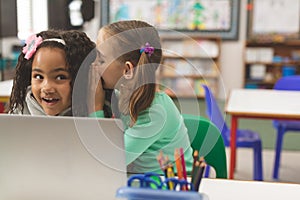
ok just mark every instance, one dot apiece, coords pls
pixel 159 127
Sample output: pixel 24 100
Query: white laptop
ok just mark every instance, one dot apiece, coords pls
pixel 60 158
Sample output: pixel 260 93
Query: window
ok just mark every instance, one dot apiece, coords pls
pixel 32 17
pixel 75 13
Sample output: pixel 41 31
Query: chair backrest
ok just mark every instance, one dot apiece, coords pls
pixel 206 138
pixel 288 83
pixel 215 115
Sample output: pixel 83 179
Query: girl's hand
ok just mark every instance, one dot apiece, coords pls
pixel 96 94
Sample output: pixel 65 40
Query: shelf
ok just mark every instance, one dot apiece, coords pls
pixel 260 82
pixel 186 96
pixel 190 76
pixel 275 63
pixel 273 44
pixel 265 63
pixel 188 57
pixel 187 63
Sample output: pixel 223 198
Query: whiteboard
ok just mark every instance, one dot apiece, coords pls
pixel 276 16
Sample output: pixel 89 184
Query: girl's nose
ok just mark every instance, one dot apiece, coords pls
pixel 48 87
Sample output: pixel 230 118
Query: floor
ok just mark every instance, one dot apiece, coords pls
pixel 289 170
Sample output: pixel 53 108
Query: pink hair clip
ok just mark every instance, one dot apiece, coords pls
pixel 147 49
pixel 32 43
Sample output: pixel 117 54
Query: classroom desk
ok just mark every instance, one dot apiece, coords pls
pixel 259 103
pixel 224 189
pixel 5 90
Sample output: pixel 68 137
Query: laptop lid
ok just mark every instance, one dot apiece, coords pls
pixel 63 158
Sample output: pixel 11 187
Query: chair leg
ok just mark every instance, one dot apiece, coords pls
pixel 1 107
pixel 280 133
pixel 207 170
pixel 258 166
pixel 235 159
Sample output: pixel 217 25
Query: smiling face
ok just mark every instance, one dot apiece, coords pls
pixel 51 81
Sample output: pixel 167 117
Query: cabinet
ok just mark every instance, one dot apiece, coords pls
pixel 265 63
pixel 187 63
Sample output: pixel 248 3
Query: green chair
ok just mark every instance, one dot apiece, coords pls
pixel 206 138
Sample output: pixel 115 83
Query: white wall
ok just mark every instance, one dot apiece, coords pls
pixel 232 66
pixel 92 27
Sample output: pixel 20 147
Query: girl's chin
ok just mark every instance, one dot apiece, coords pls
pixel 105 86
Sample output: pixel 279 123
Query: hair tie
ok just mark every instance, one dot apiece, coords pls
pixel 33 42
pixel 149 50
pixel 56 40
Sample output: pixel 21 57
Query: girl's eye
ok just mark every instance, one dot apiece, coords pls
pixel 61 77
pixel 99 62
pixel 38 76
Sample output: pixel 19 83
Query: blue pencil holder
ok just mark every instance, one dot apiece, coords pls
pixel 131 193
pixel 150 186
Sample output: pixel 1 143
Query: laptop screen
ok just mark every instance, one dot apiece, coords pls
pixel 44 157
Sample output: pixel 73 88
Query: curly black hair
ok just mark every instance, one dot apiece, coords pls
pixel 80 52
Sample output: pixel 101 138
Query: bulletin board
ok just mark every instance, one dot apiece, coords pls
pixel 205 17
pixel 273 20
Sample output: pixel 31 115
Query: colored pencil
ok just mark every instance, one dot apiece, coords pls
pixel 178 164
pixel 183 168
pixel 195 157
pixel 170 174
pixel 183 163
pixel 199 175
pixel 195 171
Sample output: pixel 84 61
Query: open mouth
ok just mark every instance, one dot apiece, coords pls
pixel 50 100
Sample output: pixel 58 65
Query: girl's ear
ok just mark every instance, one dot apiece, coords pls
pixel 128 70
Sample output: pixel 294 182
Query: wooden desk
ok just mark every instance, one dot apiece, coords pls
pixel 5 90
pixel 222 189
pixel 259 103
